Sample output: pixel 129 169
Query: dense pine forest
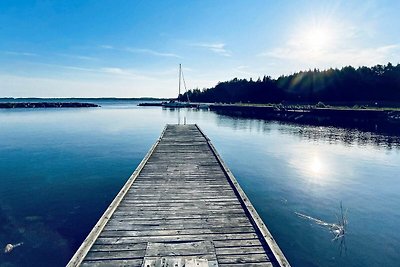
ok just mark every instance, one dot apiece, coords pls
pixel 349 84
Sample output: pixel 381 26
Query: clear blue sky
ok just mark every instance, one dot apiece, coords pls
pixel 133 48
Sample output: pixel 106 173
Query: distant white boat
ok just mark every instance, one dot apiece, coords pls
pixel 177 103
pixel 203 106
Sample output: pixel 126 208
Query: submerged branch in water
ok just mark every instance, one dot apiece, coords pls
pixel 337 229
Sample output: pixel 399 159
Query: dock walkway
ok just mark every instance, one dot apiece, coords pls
pixel 181 207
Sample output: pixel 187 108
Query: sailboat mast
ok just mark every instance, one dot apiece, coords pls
pixel 180 73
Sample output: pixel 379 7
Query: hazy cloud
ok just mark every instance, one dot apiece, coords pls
pixel 113 86
pixel 328 43
pixel 128 73
pixel 117 71
pixel 141 51
pixel 71 67
pixel 76 56
pixel 244 70
pixel 112 71
pixel 106 46
pixel 338 57
pixel 218 48
pixel 151 52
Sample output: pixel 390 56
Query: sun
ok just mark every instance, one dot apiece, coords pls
pixel 317 38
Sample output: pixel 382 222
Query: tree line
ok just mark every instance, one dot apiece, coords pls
pixel 348 84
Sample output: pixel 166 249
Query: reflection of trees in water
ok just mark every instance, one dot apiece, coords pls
pixel 389 138
pixel 237 123
pixel 334 135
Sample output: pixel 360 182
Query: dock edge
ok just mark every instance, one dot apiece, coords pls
pixel 80 254
pixel 267 236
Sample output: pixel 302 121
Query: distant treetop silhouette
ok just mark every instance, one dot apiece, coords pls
pixel 378 83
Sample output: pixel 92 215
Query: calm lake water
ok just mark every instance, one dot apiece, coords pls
pixel 60 169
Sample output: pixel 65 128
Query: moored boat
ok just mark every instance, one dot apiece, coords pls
pixel 176 103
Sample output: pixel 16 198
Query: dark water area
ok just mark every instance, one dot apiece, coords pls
pixel 61 168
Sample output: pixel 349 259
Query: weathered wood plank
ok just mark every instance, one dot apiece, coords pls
pixel 234 212
pixel 180 221
pixel 163 227
pixel 258 264
pixel 169 217
pixel 119 247
pixel 221 244
pixel 240 250
pixel 116 262
pixel 175 238
pixel 179 209
pixel 199 248
pixel 122 254
pixel 245 258
pixel 156 202
pixel 199 231
pixel 237 243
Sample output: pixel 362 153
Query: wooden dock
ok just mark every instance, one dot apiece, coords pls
pixel 181 207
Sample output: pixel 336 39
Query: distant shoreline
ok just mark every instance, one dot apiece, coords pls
pixel 12 105
pixel 78 99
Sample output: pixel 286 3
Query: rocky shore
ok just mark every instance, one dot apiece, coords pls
pixel 47 105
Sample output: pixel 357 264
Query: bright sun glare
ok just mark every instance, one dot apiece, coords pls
pixel 317 38
pixel 316 166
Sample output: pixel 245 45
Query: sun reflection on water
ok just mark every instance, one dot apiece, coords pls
pixel 315 170
pixel 316 166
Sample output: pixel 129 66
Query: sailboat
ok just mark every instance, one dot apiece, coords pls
pixel 176 103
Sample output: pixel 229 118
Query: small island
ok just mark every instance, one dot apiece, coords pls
pixel 10 105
